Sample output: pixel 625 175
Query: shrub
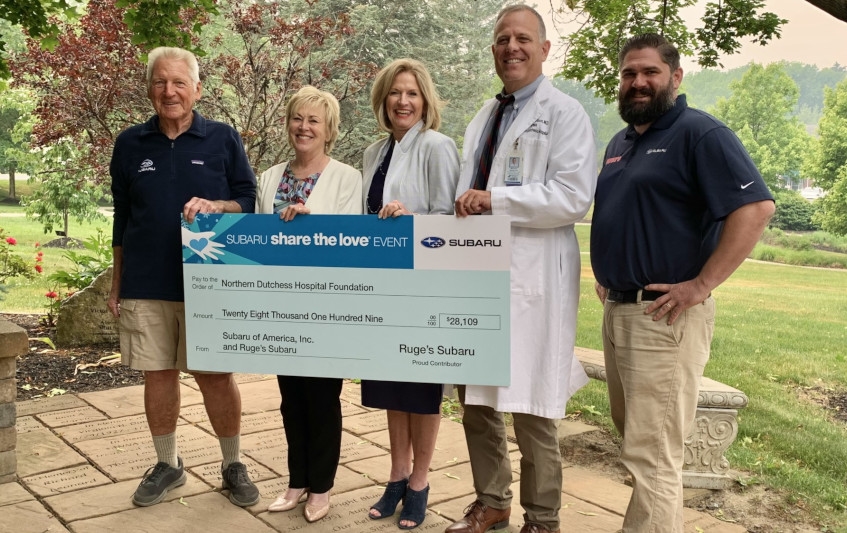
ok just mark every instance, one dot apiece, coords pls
pixel 793 212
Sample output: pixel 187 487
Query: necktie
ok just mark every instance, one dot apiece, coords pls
pixel 490 145
pixel 377 184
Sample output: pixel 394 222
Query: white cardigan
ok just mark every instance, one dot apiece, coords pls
pixel 423 172
pixel 338 190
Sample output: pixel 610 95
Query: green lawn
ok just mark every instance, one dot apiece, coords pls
pixel 27 296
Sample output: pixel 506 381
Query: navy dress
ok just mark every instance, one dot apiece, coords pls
pixel 418 398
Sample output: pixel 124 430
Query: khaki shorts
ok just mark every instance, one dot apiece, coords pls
pixel 153 335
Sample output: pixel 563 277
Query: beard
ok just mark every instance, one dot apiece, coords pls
pixel 660 102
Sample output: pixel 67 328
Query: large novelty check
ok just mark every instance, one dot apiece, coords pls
pixel 415 298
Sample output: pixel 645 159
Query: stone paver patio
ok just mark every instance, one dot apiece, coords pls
pixel 80 457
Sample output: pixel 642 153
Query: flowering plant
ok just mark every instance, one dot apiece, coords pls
pixel 11 265
pixel 53 304
pixel 39 257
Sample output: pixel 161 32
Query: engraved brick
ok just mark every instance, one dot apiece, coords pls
pixel 8 415
pixel 65 480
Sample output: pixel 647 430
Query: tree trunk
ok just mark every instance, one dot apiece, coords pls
pixel 65 216
pixel 836 8
pixel 12 182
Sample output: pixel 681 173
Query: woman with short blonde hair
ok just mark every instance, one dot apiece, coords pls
pixel 312 182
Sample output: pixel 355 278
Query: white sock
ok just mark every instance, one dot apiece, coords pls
pixel 165 446
pixel 230 449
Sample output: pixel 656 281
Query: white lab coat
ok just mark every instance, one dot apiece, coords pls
pixel 559 177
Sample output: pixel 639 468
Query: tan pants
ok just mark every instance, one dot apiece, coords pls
pixel 541 462
pixel 653 373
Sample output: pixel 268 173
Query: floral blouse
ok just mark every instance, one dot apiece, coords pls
pixel 293 191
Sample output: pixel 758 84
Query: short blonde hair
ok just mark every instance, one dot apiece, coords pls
pixel 310 96
pixel 382 86
pixel 175 54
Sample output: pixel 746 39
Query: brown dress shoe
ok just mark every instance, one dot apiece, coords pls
pixel 480 518
pixel 533 527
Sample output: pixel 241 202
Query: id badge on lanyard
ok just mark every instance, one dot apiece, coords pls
pixel 514 166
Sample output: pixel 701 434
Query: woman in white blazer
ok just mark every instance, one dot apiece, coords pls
pixel 413 171
pixel 312 182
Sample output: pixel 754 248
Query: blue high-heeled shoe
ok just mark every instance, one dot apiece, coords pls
pixel 414 508
pixel 395 491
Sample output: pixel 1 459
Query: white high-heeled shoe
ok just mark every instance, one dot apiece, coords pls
pixel 314 512
pixel 281 503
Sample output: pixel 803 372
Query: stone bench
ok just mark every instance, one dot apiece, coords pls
pixel 715 426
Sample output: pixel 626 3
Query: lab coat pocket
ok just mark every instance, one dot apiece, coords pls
pixel 527 264
pixel 533 149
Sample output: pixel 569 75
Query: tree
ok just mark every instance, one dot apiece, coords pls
pixel 705 87
pixel 760 112
pixel 151 23
pixel 827 163
pixel 811 81
pixel 595 107
pixel 67 190
pixel 91 85
pixel 452 39
pixel 260 55
pixel 591 52
pixel 832 208
pixel 15 106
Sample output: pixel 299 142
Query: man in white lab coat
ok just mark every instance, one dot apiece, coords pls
pixel 540 170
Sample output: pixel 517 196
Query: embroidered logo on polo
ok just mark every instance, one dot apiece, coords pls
pixel 197 162
pixel 656 151
pixel 146 166
pixel 614 159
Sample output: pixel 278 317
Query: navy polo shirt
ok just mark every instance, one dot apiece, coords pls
pixel 662 197
pixel 153 177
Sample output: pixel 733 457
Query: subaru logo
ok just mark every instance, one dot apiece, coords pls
pixel 433 242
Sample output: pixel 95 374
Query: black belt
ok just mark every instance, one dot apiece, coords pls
pixel 633 297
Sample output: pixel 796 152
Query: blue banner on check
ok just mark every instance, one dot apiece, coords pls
pixel 320 240
pixel 414 298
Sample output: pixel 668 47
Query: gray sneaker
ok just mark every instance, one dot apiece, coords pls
pixel 242 491
pixel 156 483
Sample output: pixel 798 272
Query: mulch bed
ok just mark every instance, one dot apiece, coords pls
pixel 45 371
